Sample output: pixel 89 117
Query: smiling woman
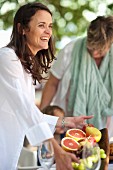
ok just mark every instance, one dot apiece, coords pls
pixel 23 61
pixel 28 54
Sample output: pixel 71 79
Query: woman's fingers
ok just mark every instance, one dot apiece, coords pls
pixel 73 122
pixel 74 158
pixel 67 162
pixel 88 117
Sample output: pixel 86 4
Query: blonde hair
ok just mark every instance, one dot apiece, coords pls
pixel 100 33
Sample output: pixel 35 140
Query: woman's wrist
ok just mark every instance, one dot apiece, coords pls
pixel 62 123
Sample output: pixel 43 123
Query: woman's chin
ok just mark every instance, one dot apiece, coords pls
pixel 44 47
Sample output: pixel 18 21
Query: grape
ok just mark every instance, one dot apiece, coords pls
pixel 103 156
pixel 89 162
pixel 102 151
pixel 81 166
pixel 94 158
pixel 75 165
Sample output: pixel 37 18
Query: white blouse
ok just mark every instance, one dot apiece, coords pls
pixel 19 116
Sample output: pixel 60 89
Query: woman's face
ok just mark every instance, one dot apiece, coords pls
pixel 40 31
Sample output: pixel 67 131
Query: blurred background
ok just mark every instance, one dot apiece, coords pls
pixel 70 17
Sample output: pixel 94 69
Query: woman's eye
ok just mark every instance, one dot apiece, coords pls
pixel 50 26
pixel 41 26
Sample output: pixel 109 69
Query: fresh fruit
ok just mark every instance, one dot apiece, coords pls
pixel 69 144
pixel 93 132
pixel 75 165
pixel 87 139
pixel 94 158
pixel 102 151
pixel 81 166
pixel 86 125
pixel 91 140
pixel 89 162
pixel 76 134
pixel 102 154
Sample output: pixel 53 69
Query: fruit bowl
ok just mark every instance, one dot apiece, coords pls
pixel 104 144
pixel 77 147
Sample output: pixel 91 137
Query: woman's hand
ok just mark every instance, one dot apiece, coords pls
pixel 73 122
pixel 76 122
pixel 63 159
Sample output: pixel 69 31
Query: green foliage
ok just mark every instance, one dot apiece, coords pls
pixel 69 16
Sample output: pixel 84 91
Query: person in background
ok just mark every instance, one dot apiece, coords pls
pixel 23 60
pixel 59 112
pixel 81 80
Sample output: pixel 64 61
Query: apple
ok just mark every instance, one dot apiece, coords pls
pixel 87 125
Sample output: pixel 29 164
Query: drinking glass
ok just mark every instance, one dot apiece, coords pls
pixel 46 154
pixel 91 156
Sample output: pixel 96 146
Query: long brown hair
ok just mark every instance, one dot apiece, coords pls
pixel 41 62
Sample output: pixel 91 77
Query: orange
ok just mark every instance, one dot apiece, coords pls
pixel 69 144
pixel 76 134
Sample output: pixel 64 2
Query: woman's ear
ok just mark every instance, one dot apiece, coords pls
pixel 23 32
pixel 20 29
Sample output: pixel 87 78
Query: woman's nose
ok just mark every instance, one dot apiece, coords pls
pixel 48 30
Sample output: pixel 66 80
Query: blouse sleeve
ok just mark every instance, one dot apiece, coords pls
pixel 14 92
